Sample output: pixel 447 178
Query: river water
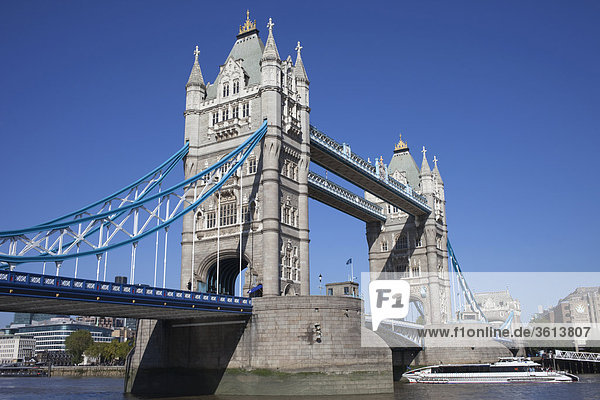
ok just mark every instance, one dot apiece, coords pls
pixel 587 388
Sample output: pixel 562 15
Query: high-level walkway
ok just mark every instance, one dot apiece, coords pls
pixel 339 159
pixel 335 196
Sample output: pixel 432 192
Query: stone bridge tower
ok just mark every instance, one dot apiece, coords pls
pixel 253 84
pixel 414 246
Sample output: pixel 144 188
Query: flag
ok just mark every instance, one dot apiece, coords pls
pixel 349 261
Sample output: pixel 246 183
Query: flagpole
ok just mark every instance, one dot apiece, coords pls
pixel 351 270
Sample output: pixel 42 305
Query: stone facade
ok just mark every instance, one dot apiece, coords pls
pixel 342 289
pixel 292 345
pixel 16 348
pixel 414 247
pixel 580 306
pixel 252 85
pixel 497 306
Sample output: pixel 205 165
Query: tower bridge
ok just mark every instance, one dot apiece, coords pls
pixel 248 145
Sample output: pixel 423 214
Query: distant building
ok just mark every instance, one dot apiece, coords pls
pixel 123 334
pixel 30 318
pixel 104 322
pixel 497 306
pixel 50 336
pixel 580 306
pixel 342 289
pixel 131 323
pixel 15 348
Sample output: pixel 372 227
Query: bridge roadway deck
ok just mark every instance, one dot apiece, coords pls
pixel 24 292
pixel 338 159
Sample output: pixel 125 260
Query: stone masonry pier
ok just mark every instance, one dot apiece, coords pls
pixel 295 345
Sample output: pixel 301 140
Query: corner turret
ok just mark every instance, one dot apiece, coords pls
pixel 436 171
pixel 195 87
pixel 270 52
pixel 426 176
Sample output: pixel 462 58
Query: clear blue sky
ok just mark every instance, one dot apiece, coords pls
pixel 505 93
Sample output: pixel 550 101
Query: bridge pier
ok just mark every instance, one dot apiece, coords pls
pixel 296 345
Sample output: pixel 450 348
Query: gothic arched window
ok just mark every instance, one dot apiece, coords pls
pixel 418 242
pixel 403 242
pixel 225 89
pixel 252 165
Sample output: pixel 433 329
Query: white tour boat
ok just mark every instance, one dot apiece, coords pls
pixel 506 370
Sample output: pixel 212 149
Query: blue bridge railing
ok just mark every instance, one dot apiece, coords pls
pixel 47 286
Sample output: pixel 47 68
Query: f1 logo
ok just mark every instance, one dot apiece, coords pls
pixel 389 299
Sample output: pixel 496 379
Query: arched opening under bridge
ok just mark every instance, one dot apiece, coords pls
pixel 229 269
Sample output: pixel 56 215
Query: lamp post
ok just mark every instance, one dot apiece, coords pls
pixel 320 286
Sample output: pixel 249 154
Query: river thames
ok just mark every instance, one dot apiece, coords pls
pixel 112 388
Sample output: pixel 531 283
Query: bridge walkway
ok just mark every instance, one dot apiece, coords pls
pixel 339 159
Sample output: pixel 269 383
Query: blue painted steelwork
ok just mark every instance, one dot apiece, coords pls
pixel 343 153
pixel 53 287
pixel 31 238
pixel 463 283
pixel 147 184
pixel 163 170
pixel 508 321
pixel 353 200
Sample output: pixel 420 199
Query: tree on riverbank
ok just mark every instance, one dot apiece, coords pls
pixel 109 352
pixel 76 343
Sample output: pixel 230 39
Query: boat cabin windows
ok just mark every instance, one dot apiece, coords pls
pixel 481 368
pixel 460 369
pixel 506 368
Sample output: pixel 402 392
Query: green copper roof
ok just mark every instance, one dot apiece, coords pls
pixel 249 49
pixel 403 161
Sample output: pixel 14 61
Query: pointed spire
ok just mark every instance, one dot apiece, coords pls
pixel 300 72
pixel 270 52
pixel 425 165
pixel 436 170
pixel 196 78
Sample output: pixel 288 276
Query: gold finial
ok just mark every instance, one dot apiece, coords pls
pixel 248 25
pixel 401 144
